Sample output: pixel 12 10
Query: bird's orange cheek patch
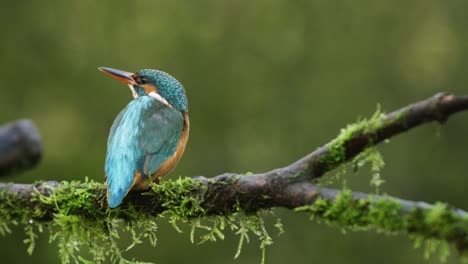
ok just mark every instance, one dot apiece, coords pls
pixel 149 88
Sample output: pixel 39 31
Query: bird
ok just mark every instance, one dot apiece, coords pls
pixel 148 137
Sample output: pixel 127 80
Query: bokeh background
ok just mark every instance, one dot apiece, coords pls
pixel 267 82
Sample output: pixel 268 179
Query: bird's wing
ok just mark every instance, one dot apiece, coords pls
pixel 119 174
pixel 160 137
pixel 115 125
pixel 140 140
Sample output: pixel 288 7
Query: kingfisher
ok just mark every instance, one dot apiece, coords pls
pixel 148 137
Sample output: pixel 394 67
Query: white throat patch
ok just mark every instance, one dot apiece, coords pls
pixel 152 94
pixel 135 95
pixel 159 98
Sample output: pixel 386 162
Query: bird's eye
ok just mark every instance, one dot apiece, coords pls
pixel 137 79
pixel 140 80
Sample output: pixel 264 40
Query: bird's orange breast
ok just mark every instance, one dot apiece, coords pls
pixel 171 162
pixel 140 181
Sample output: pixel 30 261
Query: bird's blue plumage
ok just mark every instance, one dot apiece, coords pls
pixel 149 136
pixel 168 87
pixel 142 137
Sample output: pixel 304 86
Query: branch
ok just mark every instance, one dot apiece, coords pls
pixel 232 193
pixel 290 187
pixel 20 146
pixel 357 138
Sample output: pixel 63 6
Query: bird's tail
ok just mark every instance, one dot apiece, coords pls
pixel 115 197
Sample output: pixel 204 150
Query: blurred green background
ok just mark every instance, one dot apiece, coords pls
pixel 267 82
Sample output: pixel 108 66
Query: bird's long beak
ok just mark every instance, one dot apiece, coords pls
pixel 123 76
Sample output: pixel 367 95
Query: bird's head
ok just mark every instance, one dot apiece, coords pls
pixel 154 83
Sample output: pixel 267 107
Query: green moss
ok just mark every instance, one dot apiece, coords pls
pixel 400 116
pixel 344 212
pixel 440 217
pixel 178 197
pixel 78 219
pixel 337 148
pixel 369 157
pixel 432 227
pixel 384 215
pixel 372 157
pixel 337 155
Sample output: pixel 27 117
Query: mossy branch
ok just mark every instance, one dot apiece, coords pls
pixel 358 137
pixel 227 195
pixel 74 207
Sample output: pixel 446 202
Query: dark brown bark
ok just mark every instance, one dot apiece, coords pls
pixel 20 146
